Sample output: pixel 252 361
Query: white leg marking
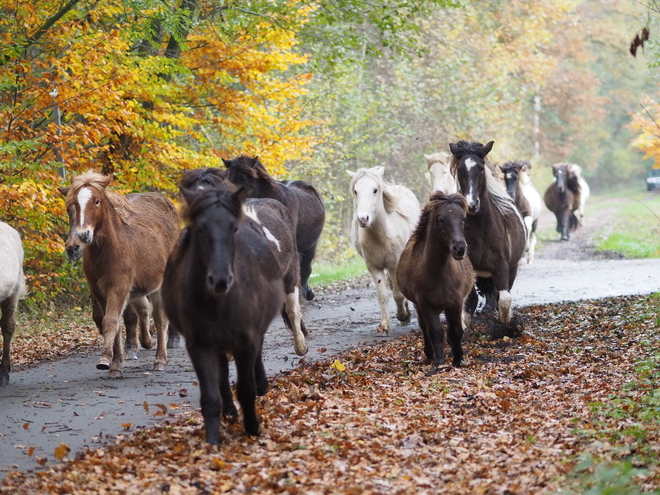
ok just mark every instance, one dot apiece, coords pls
pixel 505 306
pixel 295 316
pixel 84 195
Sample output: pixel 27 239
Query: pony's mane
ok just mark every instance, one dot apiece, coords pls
pixel 437 200
pixel 438 157
pixel 251 167
pixel 94 180
pixel 202 177
pixel 391 193
pixel 573 172
pixel 207 198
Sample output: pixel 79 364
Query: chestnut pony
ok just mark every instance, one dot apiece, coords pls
pixel 126 243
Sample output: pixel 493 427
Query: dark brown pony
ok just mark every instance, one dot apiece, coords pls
pixel 435 274
pixel 278 227
pixel 127 241
pixel 222 288
pixel 494 229
pixel 136 312
pixel 511 171
pixel 302 200
pixel 562 198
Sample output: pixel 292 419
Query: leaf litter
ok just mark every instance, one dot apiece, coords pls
pixel 520 417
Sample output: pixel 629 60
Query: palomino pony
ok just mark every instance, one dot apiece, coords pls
pixel 137 311
pixel 435 274
pixel 494 229
pixel 527 199
pixel 385 217
pixel 439 174
pixel 222 288
pixel 12 288
pixel 563 198
pixel 127 241
pixel 302 200
pixel 278 227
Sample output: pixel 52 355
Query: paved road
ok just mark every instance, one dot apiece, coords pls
pixel 70 402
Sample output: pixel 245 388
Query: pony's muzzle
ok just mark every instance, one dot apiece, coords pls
pixel 473 207
pixel 85 236
pixel 219 284
pixel 73 252
pixel 459 250
pixel 364 221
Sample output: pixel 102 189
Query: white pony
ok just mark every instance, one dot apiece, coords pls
pixel 535 204
pixel 585 191
pixel 439 174
pixel 12 288
pixel 385 217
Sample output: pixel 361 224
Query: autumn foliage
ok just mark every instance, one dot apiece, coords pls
pixel 129 107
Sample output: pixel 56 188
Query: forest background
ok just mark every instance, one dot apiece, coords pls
pixel 143 89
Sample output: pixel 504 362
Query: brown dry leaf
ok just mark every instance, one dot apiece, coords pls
pixel 145 405
pixel 162 407
pixel 127 426
pixel 30 451
pixel 61 451
pixel 26 426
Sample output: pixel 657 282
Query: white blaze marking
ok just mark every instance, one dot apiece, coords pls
pixel 469 163
pixel 271 238
pixel 84 195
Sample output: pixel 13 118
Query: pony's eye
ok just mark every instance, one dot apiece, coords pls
pixel 354 192
pixel 375 191
pixel 98 202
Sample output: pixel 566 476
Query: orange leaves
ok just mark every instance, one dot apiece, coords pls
pixel 61 451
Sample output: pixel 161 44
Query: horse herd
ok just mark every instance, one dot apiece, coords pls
pixel 245 253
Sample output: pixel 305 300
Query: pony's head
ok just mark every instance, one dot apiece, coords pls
pixel 369 191
pixel 511 171
pixel 248 172
pixel 439 174
pixel 442 218
pixel 212 217
pixel 468 166
pixel 84 201
pixel 561 171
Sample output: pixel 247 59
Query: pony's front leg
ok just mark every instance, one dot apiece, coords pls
pixel 114 306
pixel 161 322
pixel 8 325
pixel 434 333
pixel 454 317
pixel 402 311
pixel 207 364
pixel 532 247
pixel 142 307
pixel 382 293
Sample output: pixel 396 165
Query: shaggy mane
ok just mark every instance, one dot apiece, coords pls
pixel 391 192
pixel 437 200
pixel 207 198
pixel 438 157
pixel 97 181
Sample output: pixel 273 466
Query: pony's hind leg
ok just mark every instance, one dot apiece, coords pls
pixel 292 316
pixel 228 407
pixel 402 311
pixel 8 325
pixel 131 323
pixel 504 306
pixel 161 322
pixel 306 259
pixel 143 309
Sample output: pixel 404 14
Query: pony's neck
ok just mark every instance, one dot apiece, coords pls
pixel 266 189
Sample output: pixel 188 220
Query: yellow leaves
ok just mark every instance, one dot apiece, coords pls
pixel 338 365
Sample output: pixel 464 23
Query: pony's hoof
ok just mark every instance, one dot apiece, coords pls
pixel 301 351
pixel 4 379
pixel 146 344
pixel 309 295
pixel 404 320
pixel 131 354
pixel 103 364
pixel 159 366
pixel 383 331
pixel 115 374
pixel 173 341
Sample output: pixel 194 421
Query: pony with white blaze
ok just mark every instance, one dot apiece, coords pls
pixel 439 173
pixel 12 288
pixel 385 217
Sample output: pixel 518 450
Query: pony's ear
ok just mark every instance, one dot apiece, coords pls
pixel 453 147
pixel 105 180
pixel 487 148
pixel 64 191
pixel 228 163
pixel 427 157
pixel 380 171
pixel 351 174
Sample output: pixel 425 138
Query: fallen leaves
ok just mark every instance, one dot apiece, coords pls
pixel 520 418
pixel 61 451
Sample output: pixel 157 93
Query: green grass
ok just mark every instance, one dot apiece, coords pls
pixel 636 233
pixel 328 273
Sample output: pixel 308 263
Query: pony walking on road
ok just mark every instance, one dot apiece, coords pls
pixel 563 197
pixel 302 200
pixel 12 288
pixel 520 188
pixel 127 241
pixel 436 275
pixel 222 288
pixel 494 229
pixel 385 217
